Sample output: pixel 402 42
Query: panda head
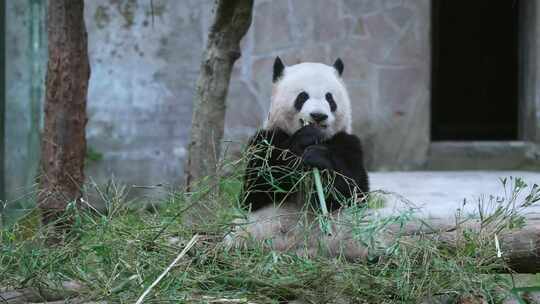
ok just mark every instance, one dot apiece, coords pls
pixel 309 93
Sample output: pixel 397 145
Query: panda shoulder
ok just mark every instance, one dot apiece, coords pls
pixel 275 136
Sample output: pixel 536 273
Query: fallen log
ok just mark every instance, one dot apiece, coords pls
pixel 512 228
pixel 68 290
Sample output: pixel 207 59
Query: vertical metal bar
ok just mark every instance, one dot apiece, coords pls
pixel 433 119
pixel 2 104
pixel 527 75
pixel 37 44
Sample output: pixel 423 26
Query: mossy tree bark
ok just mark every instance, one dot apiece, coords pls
pixel 232 19
pixel 63 144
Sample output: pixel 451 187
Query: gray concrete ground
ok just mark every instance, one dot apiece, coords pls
pixel 441 192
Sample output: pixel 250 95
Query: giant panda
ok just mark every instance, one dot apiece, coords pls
pixel 308 126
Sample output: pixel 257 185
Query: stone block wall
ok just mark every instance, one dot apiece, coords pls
pixel 386 49
pixel 144 70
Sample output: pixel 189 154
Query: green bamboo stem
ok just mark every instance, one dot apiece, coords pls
pixel 320 193
pixel 323 221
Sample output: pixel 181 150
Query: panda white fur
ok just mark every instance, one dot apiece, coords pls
pixel 308 125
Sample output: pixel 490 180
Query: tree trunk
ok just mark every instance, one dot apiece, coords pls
pixel 63 145
pixel 231 22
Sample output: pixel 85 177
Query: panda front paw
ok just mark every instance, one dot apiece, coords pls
pixel 317 156
pixel 304 138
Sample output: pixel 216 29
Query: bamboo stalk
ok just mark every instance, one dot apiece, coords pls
pixel 164 273
pixel 324 220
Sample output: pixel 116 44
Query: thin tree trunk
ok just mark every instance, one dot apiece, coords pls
pixel 232 19
pixel 63 145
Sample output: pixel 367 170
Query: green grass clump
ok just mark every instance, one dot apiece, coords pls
pixel 115 254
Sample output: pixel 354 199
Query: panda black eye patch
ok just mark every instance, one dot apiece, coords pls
pixel 300 100
pixel 331 102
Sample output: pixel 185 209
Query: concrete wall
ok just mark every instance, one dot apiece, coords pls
pixel 144 71
pixel 141 86
pixel 536 49
pixel 530 78
pixel 26 54
pixel 143 76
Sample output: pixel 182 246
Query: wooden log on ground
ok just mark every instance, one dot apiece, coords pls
pixel 68 290
pixel 289 228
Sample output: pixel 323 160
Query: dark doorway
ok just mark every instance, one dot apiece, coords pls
pixel 475 76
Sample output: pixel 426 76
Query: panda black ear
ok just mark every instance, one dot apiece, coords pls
pixel 279 67
pixel 338 65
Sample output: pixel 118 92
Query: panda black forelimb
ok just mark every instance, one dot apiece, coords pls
pixel 341 153
pixel 345 152
pixel 267 150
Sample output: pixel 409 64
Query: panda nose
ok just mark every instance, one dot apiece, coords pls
pixel 318 117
